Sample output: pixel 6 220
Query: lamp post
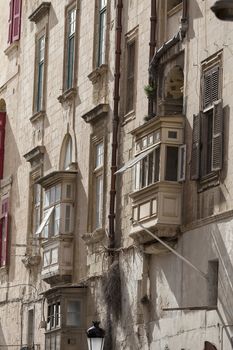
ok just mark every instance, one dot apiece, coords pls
pixel 95 337
pixel 223 9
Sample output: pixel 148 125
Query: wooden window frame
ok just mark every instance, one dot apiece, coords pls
pixel 14 21
pixel 40 72
pixel 69 74
pixel 102 33
pixel 131 39
pixel 207 159
pixel 4 233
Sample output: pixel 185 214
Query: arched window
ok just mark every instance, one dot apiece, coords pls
pixel 66 153
pixel 174 84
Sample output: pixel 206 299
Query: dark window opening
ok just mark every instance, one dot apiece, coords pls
pixel 171 163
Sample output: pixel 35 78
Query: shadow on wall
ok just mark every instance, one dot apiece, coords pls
pixel 2 339
pixel 196 12
pixel 225 284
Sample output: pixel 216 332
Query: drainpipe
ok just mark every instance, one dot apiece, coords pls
pixel 115 125
pixel 152 44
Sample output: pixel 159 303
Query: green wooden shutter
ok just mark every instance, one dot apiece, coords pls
pixel 195 157
pixel 217 141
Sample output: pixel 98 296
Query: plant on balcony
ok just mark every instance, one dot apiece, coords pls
pixel 150 90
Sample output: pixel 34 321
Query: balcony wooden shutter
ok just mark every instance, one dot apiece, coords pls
pixel 195 156
pixel 210 87
pixel 16 20
pixel 204 165
pixel 4 233
pixel 2 141
pixel 209 346
pixel 217 141
pixel 10 22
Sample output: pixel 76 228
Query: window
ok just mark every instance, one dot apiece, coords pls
pixel 130 76
pixel 213 268
pixel 102 31
pixel 14 21
pixel 73 313
pixel 66 153
pixel 2 141
pixel 37 204
pixel 98 184
pixel 58 210
pixel 66 318
pixel 207 144
pixel 70 48
pixel 4 232
pixel 52 200
pixel 171 163
pixel 54 316
pixel 53 341
pixel 147 169
pixel 30 335
pixel 50 257
pixel 39 80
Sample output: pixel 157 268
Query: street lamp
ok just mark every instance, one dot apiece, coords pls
pixel 223 9
pixel 95 337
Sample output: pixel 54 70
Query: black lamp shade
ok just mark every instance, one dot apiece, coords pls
pixel 223 9
pixel 95 337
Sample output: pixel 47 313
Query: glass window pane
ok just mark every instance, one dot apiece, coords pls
pixel 46 228
pixel 47 198
pixel 102 38
pixel 54 256
pixel 47 342
pixel 171 164
pixel 41 48
pixel 103 4
pixel 157 164
pixel 58 341
pixel 67 218
pixel 53 342
pixel 58 314
pixel 99 154
pixel 58 193
pixel 99 200
pixel 73 313
pixel 72 21
pixel 46 260
pixel 57 217
pixel 68 191
pixel 52 195
pixel 68 154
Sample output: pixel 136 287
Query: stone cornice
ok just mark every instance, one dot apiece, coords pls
pixel 41 11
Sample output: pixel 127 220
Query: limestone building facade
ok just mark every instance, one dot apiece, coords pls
pixel 115 124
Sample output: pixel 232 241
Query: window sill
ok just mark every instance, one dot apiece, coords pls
pixel 100 111
pixel 47 241
pixel 67 95
pixel 208 181
pixel 12 48
pixel 174 10
pixel 94 237
pixel 37 116
pixel 128 117
pixel 142 192
pixel 97 73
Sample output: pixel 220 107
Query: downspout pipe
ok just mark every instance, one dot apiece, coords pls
pixel 115 125
pixel 152 44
